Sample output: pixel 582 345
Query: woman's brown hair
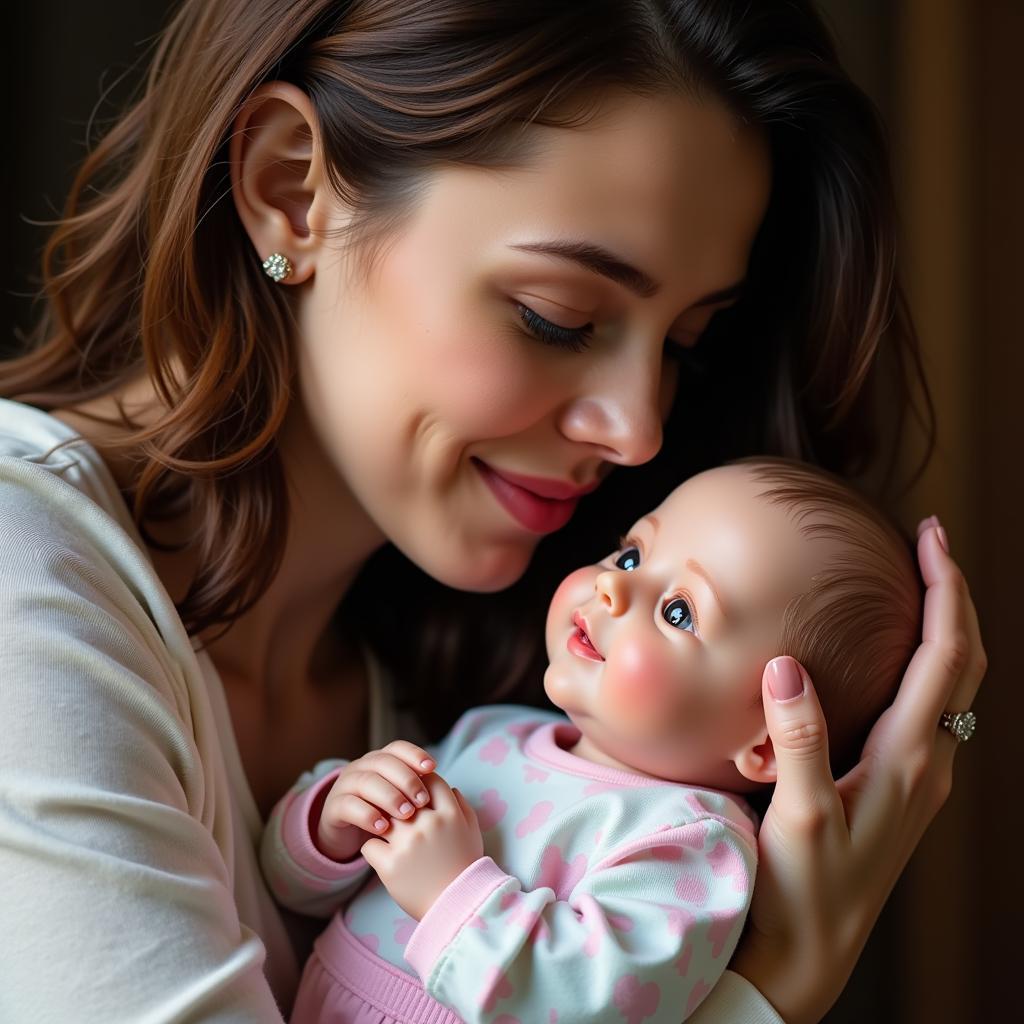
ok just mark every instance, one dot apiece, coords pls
pixel 150 264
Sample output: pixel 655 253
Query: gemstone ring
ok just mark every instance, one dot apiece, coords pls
pixel 960 723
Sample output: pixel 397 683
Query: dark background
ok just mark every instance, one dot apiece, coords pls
pixel 947 77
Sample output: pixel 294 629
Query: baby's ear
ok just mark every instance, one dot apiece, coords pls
pixel 756 761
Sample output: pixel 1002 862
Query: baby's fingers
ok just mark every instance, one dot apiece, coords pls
pixel 415 757
pixel 345 810
pixel 370 783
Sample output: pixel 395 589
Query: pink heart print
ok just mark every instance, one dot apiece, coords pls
pixel 539 813
pixel 694 835
pixel 679 919
pixel 727 863
pixel 495 750
pixel 490 810
pixel 692 889
pixel 683 963
pixel 496 986
pixel 557 874
pixel 720 929
pixel 697 994
pixel 636 1002
pixel 531 773
pixel 404 927
pixel 540 932
pixel 520 729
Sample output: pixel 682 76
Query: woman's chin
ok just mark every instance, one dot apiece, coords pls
pixel 482 572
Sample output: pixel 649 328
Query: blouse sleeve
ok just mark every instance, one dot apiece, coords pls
pixel 114 875
pixel 735 1001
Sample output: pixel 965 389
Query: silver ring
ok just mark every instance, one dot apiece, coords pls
pixel 960 723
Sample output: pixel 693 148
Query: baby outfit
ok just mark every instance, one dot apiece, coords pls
pixel 602 895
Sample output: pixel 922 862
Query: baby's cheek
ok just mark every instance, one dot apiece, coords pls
pixel 641 688
pixel 576 588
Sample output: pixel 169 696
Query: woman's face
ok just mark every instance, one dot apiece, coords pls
pixel 434 383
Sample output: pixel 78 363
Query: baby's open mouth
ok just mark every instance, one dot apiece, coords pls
pixel 580 642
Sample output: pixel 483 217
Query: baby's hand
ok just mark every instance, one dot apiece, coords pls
pixel 379 785
pixel 417 860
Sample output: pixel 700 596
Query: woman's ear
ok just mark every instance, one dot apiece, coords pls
pixel 277 180
pixel 756 760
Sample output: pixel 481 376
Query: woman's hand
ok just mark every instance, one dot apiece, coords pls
pixel 370 791
pixel 830 852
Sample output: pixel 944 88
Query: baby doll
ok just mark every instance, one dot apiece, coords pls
pixel 597 865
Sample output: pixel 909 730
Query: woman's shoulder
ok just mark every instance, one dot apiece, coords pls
pixel 80 602
pixel 28 439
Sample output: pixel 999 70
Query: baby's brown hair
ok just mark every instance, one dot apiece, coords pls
pixel 857 626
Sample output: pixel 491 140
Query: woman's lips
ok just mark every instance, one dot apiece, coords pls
pixel 538 513
pixel 579 643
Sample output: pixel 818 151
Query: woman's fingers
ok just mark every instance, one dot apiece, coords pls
pixel 946 669
pixel 804 790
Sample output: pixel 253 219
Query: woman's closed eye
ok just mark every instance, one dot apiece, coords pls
pixel 577 339
pixel 573 339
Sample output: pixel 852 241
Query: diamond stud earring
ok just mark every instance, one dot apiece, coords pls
pixel 278 266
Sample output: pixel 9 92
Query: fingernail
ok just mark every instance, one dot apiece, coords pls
pixel 943 539
pixel 784 679
pixel 380 824
pixel 426 764
pixel 421 798
pixel 405 808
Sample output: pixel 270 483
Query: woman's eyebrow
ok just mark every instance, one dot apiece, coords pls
pixel 599 260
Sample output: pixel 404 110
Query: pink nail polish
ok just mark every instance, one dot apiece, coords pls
pixel 784 679
pixel 943 539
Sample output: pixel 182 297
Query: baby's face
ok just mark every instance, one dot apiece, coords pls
pixel 656 653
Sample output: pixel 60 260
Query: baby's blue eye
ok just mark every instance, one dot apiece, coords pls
pixel 677 613
pixel 628 560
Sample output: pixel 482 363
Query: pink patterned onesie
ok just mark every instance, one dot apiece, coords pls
pixel 602 896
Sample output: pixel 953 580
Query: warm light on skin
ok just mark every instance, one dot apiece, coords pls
pixel 425 366
pixel 672 703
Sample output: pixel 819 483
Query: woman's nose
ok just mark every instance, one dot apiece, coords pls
pixel 612 591
pixel 619 409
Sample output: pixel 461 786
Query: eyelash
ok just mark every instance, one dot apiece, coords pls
pixel 629 542
pixel 571 339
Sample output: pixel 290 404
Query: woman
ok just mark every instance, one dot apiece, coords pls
pixel 516 253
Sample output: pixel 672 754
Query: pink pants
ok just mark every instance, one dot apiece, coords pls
pixel 346 983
